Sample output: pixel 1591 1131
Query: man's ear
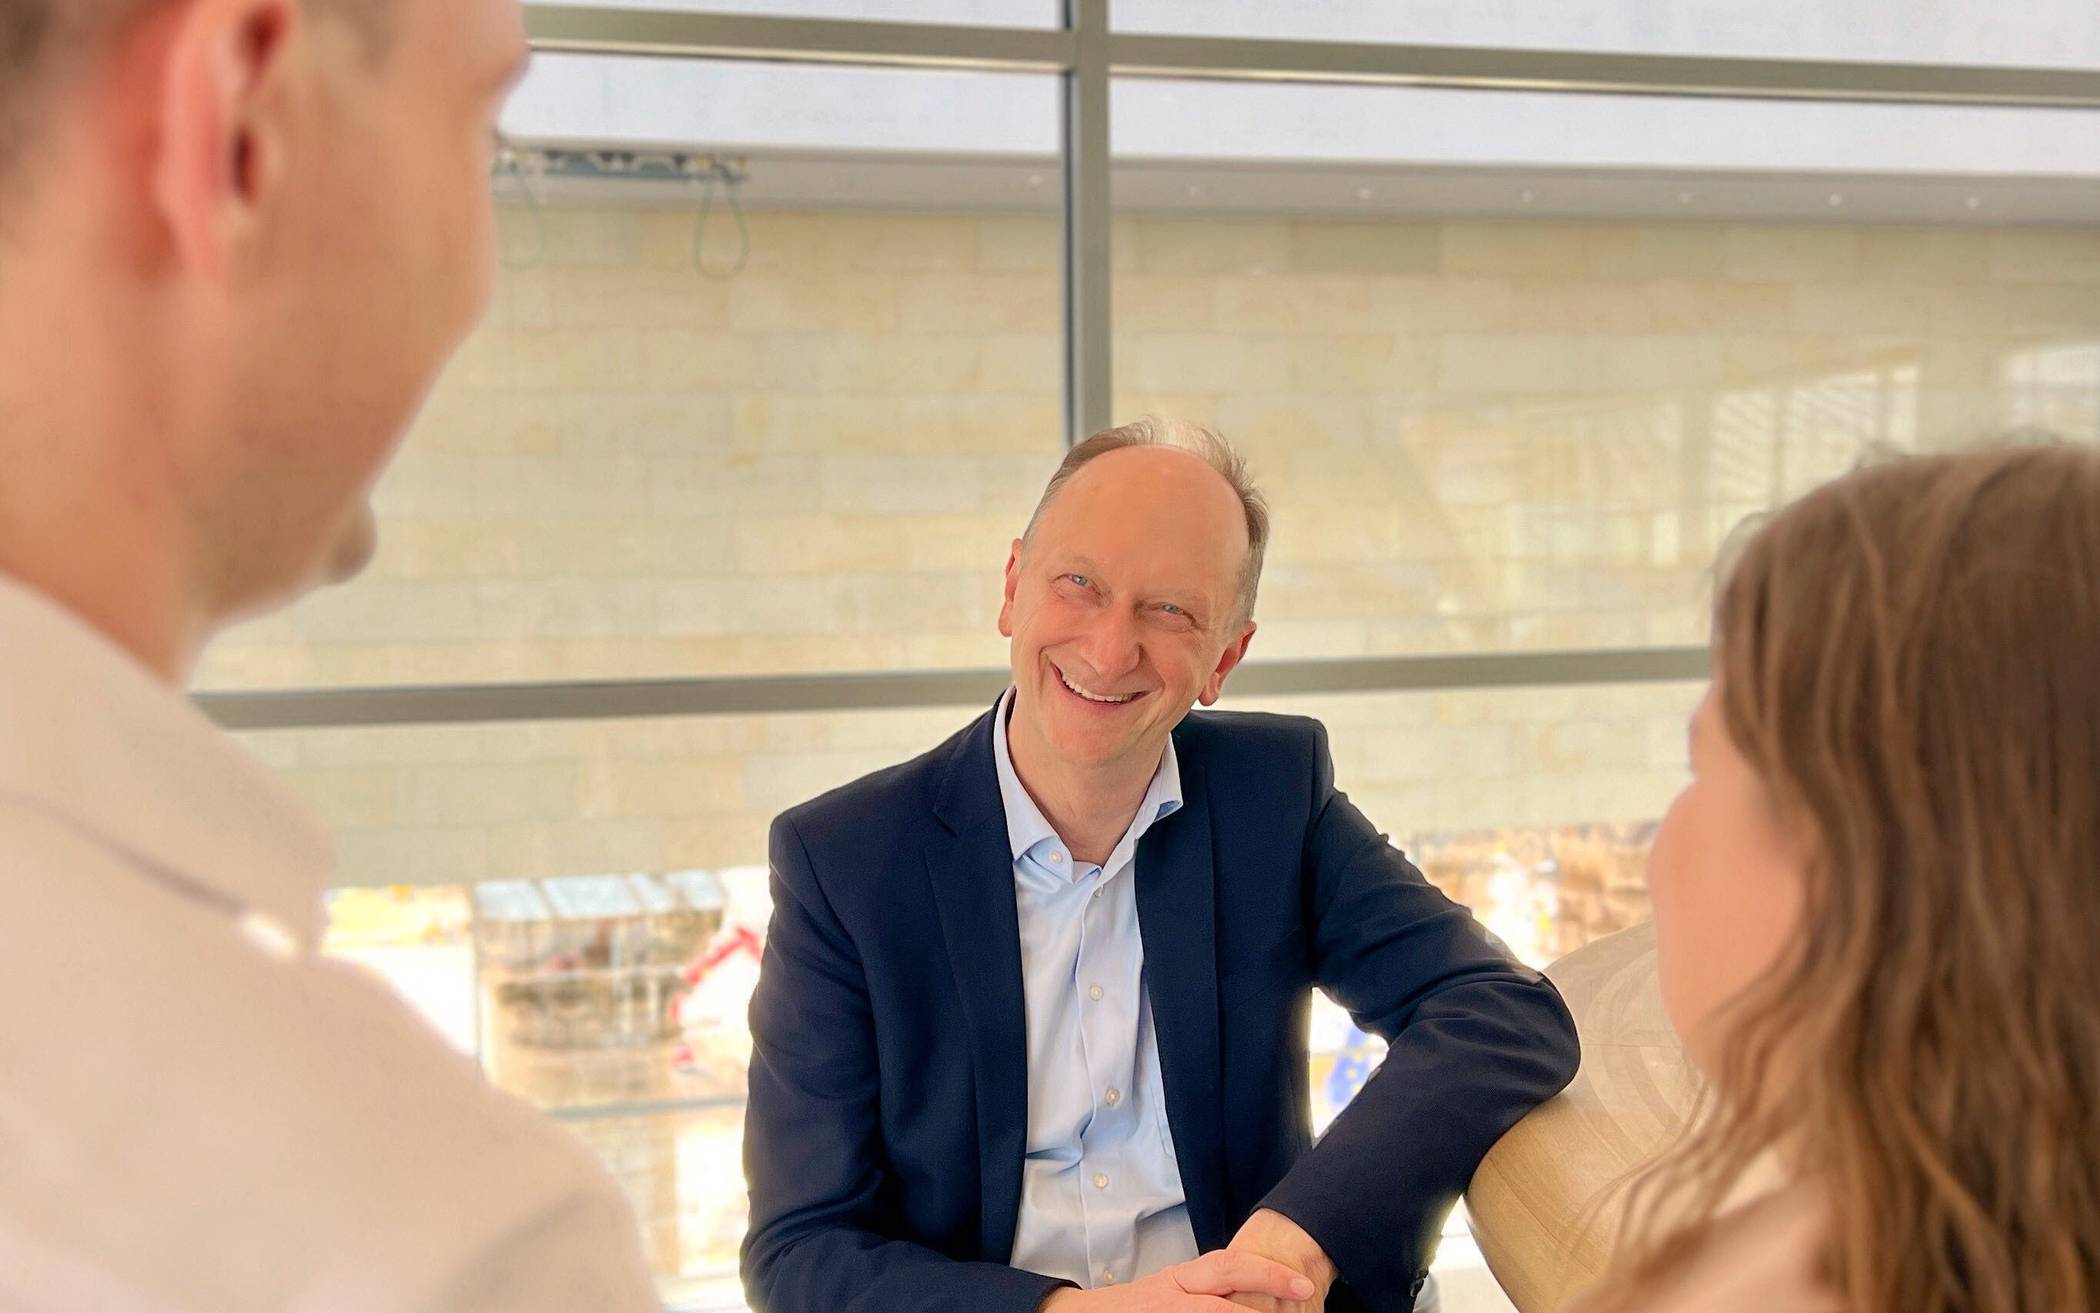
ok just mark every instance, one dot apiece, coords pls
pixel 219 145
pixel 1013 577
pixel 1234 654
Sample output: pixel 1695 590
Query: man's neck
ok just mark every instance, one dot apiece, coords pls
pixel 84 518
pixel 77 526
pixel 1091 808
pixel 129 609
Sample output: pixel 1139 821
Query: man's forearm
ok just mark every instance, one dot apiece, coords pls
pixel 1473 1060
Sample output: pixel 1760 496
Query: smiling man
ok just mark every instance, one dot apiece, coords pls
pixel 1031 1030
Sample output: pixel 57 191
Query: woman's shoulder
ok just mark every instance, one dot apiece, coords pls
pixel 1765 1256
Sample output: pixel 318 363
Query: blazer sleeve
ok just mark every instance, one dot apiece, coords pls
pixel 812 1141
pixel 1476 1041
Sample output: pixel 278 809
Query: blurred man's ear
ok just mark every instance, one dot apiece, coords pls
pixel 1235 653
pixel 219 137
pixel 1013 577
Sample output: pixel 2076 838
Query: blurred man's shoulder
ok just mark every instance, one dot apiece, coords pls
pixel 197 1092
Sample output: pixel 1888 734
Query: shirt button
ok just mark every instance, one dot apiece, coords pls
pixel 1114 1097
pixel 1108 1278
pixel 1100 1180
pixel 1097 993
pixel 1056 858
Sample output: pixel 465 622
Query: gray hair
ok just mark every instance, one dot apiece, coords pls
pixel 1213 450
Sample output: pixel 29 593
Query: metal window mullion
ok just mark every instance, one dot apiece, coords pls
pixel 1599 72
pixel 595 1112
pixel 605 30
pixel 471 704
pixel 1087 47
pixel 1089 241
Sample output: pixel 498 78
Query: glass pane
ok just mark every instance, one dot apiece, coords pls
pixel 684 1175
pixel 1516 397
pixel 757 394
pixel 585 901
pixel 2047 33
pixel 453 804
pixel 1533 807
pixel 681 1168
pixel 420 940
pixel 980 13
pixel 584 904
pixel 1291 147
pixel 609 989
pixel 581 903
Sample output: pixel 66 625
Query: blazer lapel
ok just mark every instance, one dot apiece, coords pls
pixel 970 864
pixel 1177 919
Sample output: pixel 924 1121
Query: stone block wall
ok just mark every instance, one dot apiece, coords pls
pixel 1478 436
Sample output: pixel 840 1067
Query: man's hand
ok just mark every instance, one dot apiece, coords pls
pixel 1204 1285
pixel 1270 1235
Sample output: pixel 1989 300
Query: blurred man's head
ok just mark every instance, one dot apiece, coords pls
pixel 237 240
pixel 1130 598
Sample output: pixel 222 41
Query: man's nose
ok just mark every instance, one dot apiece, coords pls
pixel 1112 646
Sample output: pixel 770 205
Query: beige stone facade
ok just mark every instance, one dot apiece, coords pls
pixel 439 804
pixel 1478 436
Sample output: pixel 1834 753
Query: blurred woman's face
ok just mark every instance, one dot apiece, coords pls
pixel 1727 881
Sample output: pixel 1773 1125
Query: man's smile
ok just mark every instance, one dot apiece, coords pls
pixel 1099 699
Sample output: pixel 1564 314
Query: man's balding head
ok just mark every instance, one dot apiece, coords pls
pixel 1175 435
pixel 1130 596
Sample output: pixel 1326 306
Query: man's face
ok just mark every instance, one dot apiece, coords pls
pixel 1123 606
pixel 374 258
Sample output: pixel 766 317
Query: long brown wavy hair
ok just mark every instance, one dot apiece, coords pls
pixel 1910 659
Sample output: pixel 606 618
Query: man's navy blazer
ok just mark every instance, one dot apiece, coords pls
pixel 889 1074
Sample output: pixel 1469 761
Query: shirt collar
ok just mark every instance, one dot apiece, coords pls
pixel 92 738
pixel 1027 827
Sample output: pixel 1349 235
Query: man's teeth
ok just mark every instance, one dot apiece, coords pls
pixel 1093 697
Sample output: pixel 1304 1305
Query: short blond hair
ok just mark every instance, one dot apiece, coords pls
pixel 35 34
pixel 1215 451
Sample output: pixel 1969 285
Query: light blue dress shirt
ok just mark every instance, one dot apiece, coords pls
pixel 1101 1196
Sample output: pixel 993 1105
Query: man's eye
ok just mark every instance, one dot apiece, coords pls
pixel 1172 609
pixel 1081 580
